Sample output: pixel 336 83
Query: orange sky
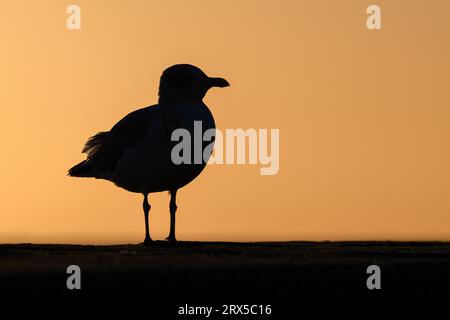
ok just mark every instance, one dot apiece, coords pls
pixel 363 117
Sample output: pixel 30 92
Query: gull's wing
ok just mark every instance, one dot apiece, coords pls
pixel 105 149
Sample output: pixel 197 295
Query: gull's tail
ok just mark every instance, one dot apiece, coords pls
pixel 87 168
pixel 80 170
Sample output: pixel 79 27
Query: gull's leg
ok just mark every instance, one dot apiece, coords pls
pixel 173 210
pixel 146 207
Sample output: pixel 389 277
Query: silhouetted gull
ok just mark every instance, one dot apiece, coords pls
pixel 136 153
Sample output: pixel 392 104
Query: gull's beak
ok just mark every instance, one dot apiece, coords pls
pixel 218 82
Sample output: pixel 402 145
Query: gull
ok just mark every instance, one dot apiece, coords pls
pixel 136 153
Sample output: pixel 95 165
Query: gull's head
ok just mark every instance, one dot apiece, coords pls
pixel 185 82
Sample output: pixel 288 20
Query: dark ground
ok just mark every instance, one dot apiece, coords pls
pixel 191 272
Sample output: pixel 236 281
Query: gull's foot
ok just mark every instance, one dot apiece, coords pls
pixel 171 239
pixel 147 242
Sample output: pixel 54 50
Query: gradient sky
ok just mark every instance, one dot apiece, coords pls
pixel 364 117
